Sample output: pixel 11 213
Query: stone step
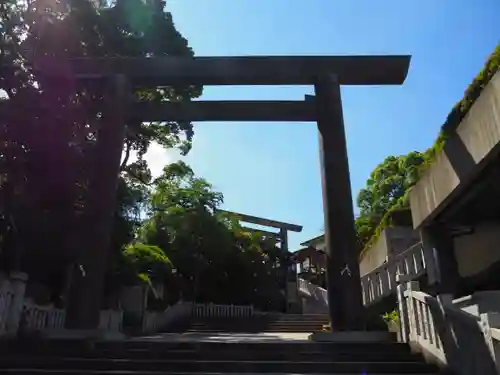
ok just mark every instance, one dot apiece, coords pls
pixel 256 326
pixel 296 318
pixel 258 322
pixel 234 355
pixel 268 319
pixel 86 372
pixel 255 329
pixel 211 328
pixel 204 366
pixel 33 346
pixel 229 322
pixel 308 317
pixel 249 330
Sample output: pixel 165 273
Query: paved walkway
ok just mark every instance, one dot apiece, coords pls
pixel 227 337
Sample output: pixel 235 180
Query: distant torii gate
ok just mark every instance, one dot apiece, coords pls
pixel 281 237
pixel 324 72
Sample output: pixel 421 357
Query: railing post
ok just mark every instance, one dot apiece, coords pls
pixel 364 290
pixel 488 321
pixel 18 282
pixel 412 311
pixel 403 311
pixel 385 282
pixel 430 258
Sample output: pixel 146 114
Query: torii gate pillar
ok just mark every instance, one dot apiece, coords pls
pixel 342 267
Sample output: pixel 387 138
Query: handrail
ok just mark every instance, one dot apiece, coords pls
pixel 320 294
pixel 495 333
pixel 381 282
pixel 446 333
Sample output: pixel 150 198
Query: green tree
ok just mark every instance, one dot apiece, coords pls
pixel 148 263
pixel 386 189
pixel 49 129
pixel 216 259
pixel 388 183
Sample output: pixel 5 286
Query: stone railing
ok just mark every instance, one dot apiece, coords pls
pixel 316 292
pixel 48 318
pixel 446 334
pixel 155 321
pixel 39 318
pixel 6 296
pixel 381 282
pixel 221 311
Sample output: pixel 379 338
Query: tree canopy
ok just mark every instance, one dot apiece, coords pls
pixel 386 191
pixel 48 159
pixel 51 128
pixel 215 258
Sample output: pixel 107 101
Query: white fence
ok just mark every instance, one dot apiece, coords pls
pixel 31 317
pixel 20 313
pixel 221 311
pixel 443 332
pixel 155 321
pixel 381 282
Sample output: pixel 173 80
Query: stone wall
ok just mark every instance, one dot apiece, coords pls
pixel 475 142
pixel 392 241
pixel 478 251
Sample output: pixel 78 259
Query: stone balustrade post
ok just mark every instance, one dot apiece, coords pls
pixel 403 311
pixel 18 282
pixel 491 320
pixel 412 311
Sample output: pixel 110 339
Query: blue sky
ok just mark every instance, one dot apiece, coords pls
pixel 272 169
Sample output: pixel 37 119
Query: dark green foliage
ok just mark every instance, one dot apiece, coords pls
pixel 384 201
pixel 462 107
pixel 49 129
pixel 473 92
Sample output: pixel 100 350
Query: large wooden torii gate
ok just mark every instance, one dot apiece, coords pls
pixel 325 73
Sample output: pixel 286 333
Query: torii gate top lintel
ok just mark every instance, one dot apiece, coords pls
pixel 264 222
pixel 248 70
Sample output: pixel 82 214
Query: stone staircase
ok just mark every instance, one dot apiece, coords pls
pixel 262 323
pixel 155 357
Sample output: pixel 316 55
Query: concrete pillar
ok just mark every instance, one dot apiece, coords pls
pixel 430 258
pixel 444 274
pixel 344 285
pixel 18 282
